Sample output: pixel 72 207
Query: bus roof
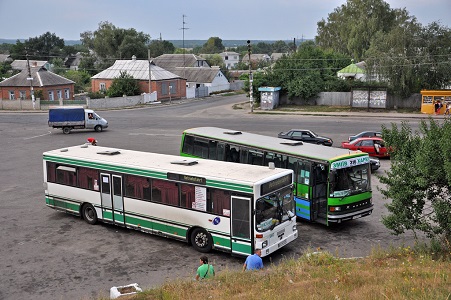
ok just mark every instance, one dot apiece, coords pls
pixel 313 151
pixel 99 157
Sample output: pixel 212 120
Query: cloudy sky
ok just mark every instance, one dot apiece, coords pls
pixel 241 20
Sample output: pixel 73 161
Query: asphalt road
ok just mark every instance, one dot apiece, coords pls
pixel 46 254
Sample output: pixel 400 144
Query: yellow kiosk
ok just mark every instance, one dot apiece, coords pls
pixel 430 97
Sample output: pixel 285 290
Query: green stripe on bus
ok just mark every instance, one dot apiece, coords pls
pixel 107 215
pixel 231 186
pixel 243 248
pixel 221 241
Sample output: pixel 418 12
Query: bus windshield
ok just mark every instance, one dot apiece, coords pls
pixel 273 209
pixel 350 181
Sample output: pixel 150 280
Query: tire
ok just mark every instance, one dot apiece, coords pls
pixel 89 214
pixel 201 240
pixel 66 130
pixel 98 128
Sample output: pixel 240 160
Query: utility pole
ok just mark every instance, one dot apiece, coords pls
pixel 29 78
pixel 150 72
pixel 251 91
pixel 183 43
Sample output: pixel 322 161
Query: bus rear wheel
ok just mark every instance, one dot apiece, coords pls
pixel 89 214
pixel 201 240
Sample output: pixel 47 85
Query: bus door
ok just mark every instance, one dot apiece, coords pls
pixel 112 198
pixel 319 193
pixel 241 225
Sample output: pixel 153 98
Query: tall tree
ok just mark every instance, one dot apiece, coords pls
pixel 351 27
pixel 213 45
pixel 44 47
pixel 111 43
pixel 418 183
pixel 160 47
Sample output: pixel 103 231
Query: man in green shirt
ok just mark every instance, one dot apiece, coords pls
pixel 205 270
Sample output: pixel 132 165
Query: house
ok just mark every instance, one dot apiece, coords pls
pixel 256 58
pixel 49 85
pixel 73 61
pixel 172 61
pixel 230 59
pixel 354 71
pixel 22 64
pixel 167 84
pixel 213 78
pixel 276 56
pixel 5 58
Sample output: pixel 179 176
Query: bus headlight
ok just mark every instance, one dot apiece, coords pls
pixel 334 208
pixel 264 244
pixel 295 228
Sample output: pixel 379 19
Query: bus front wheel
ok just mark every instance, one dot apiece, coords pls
pixel 201 240
pixel 89 214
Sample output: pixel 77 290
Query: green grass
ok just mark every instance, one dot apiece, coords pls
pixel 399 273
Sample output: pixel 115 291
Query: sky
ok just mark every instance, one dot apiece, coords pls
pixel 228 20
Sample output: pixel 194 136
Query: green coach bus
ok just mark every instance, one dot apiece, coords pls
pixel 332 185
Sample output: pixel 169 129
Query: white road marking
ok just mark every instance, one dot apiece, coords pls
pixel 36 136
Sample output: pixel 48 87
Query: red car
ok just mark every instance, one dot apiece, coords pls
pixel 374 146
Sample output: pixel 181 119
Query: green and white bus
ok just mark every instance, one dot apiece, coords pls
pixel 332 185
pixel 209 204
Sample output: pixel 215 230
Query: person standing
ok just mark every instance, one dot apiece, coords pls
pixel 254 261
pixel 205 269
pixel 447 109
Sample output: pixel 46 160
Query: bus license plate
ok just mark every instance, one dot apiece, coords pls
pixel 282 243
pixel 356 217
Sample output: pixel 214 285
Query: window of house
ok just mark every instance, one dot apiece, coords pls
pixel 12 95
pixel 22 95
pixel 66 94
pixel 226 58
pixel 164 88
pixel 59 94
pixel 51 98
pixel 102 86
pixel 173 88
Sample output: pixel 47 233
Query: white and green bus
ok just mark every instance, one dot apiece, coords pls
pixel 332 185
pixel 208 204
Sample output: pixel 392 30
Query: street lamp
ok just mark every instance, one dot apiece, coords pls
pixel 251 98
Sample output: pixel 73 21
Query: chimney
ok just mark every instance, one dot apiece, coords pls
pixel 133 57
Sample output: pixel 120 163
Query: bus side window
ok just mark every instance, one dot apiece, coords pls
pixel 220 152
pixel 201 148
pixel 255 158
pixel 212 154
pixel 219 202
pixel 51 172
pixel 243 156
pixel 269 157
pixel 304 172
pixel 188 145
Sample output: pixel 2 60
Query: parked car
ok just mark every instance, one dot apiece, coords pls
pixel 306 136
pixel 374 146
pixel 365 134
pixel 375 164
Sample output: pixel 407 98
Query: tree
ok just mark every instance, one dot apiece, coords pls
pixel 215 60
pixel 159 47
pixel 304 73
pixel 419 181
pixel 213 45
pixel 125 84
pixel 82 79
pixel 351 27
pixel 45 47
pixel 111 43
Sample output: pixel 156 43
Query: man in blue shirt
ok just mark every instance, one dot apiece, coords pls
pixel 254 261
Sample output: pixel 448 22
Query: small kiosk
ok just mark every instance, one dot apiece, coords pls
pixel 269 97
pixel 430 97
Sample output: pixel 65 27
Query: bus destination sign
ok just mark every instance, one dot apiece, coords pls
pixel 187 178
pixel 276 184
